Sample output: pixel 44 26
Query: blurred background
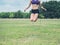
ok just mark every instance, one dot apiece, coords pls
pixel 15 9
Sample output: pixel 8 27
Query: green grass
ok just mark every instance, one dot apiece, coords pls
pixel 24 32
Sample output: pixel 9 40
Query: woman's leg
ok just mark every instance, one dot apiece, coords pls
pixel 32 17
pixel 35 17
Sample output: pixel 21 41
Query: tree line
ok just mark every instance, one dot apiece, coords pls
pixel 53 11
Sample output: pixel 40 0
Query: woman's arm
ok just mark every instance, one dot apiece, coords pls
pixel 42 6
pixel 28 6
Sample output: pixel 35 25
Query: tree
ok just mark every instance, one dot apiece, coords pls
pixel 4 15
pixel 11 15
pixel 53 9
pixel 18 14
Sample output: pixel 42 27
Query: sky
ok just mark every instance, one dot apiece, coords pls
pixel 14 5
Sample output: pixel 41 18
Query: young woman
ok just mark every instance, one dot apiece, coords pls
pixel 35 9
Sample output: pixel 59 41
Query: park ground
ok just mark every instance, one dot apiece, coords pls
pixel 25 32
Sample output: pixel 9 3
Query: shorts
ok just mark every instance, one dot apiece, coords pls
pixel 35 11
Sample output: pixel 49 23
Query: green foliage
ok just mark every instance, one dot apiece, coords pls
pixel 41 16
pixel 11 15
pixel 18 14
pixel 53 9
pixel 25 15
pixel 4 15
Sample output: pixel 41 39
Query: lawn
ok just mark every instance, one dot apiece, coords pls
pixel 25 32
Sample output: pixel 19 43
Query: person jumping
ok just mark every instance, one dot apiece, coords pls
pixel 35 9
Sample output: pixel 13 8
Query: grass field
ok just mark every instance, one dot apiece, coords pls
pixel 24 32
